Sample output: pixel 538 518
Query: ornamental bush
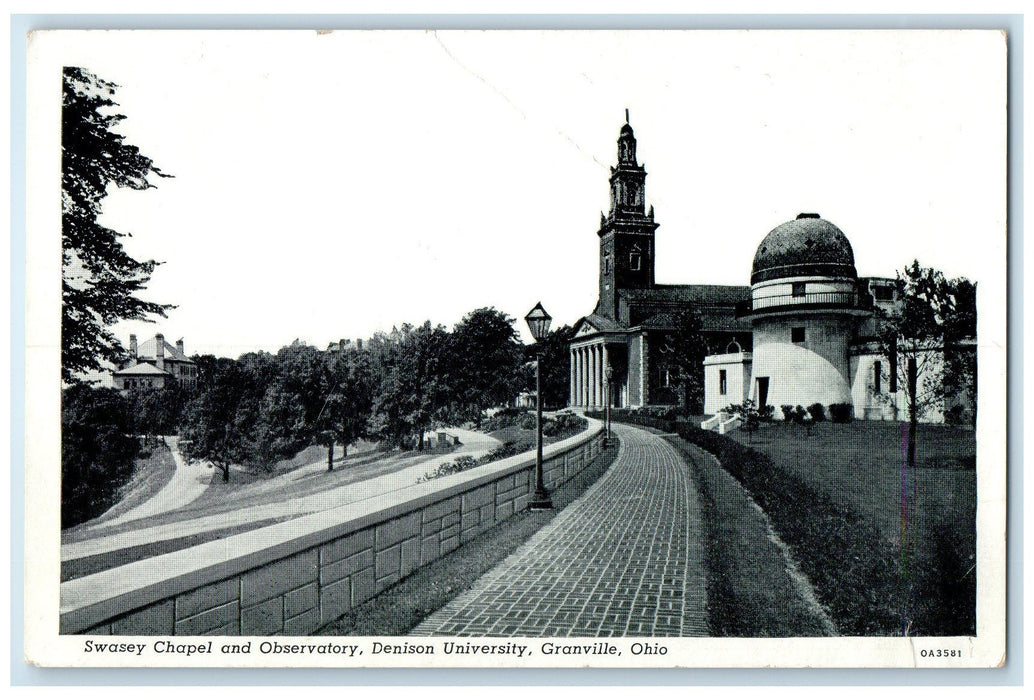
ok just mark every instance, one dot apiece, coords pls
pixel 817 412
pixel 841 412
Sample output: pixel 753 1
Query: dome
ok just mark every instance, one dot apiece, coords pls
pixel 808 245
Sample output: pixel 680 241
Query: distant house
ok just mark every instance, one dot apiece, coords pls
pixel 155 363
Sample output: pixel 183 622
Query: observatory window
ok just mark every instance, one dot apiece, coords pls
pixel 635 261
pixel 606 264
pixel 723 383
pixel 877 377
pixel 798 289
pixel 797 335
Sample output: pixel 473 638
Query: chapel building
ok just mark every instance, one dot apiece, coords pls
pixel 803 332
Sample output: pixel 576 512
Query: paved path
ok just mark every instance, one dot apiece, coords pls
pixel 186 485
pixel 473 444
pixel 625 559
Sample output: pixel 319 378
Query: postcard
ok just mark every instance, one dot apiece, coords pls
pixel 516 348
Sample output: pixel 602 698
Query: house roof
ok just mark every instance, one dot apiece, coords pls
pixel 148 350
pixel 141 369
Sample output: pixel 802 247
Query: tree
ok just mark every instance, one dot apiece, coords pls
pixel 220 420
pixel 921 339
pixel 98 451
pixel 414 394
pixel 157 410
pixel 100 281
pixel 749 416
pixel 682 350
pixel 484 363
pixel 292 403
pixel 556 366
pixel 346 412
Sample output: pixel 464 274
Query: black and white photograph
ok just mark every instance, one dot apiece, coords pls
pixel 459 348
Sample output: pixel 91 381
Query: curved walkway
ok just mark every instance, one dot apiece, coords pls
pixel 186 486
pixel 474 444
pixel 625 559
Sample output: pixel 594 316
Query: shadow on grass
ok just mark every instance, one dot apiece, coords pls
pixel 402 607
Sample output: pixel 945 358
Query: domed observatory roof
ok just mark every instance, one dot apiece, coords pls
pixel 808 245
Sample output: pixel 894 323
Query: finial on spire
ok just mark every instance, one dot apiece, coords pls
pixel 626 115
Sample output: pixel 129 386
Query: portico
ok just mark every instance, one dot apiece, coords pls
pixel 592 352
pixel 588 366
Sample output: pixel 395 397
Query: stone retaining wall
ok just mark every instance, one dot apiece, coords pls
pixel 294 577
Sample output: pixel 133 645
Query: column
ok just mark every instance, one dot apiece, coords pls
pixel 603 376
pixel 570 395
pixel 581 376
pixel 592 376
pixel 598 379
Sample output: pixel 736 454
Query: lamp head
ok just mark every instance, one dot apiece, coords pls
pixel 538 322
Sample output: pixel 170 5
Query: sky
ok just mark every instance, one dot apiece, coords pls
pixel 333 185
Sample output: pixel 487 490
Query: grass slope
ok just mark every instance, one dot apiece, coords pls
pixel 750 591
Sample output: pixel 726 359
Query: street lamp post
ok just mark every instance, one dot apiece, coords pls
pixel 538 321
pixel 609 373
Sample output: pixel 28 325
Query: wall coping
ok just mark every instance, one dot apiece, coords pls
pixel 96 598
pixel 729 358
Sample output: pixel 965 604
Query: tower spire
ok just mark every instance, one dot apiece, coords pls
pixel 626 115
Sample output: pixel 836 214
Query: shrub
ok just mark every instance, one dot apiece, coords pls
pixel 841 412
pixel 564 425
pixel 788 412
pixel 766 413
pixel 818 413
pixel 504 418
pixel 507 449
pixel 460 464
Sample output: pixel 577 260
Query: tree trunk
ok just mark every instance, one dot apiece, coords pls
pixel 330 456
pixel 226 474
pixel 913 417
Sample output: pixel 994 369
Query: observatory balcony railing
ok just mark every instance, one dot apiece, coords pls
pixel 815 301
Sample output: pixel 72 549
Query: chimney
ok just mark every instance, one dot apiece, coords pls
pixel 159 353
pixel 132 345
pixel 359 343
pixel 341 346
pixel 179 346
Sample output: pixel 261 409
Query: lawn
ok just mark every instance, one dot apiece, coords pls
pixel 860 464
pixel 888 551
pixel 927 514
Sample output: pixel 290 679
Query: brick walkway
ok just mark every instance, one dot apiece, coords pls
pixel 625 559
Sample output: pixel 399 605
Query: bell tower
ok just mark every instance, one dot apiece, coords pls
pixel 627 232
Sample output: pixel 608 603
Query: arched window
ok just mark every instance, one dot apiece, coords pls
pixel 635 261
pixel 733 347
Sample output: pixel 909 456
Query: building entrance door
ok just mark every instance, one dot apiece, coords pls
pixel 762 391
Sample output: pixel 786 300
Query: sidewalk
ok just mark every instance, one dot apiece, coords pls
pixel 625 559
